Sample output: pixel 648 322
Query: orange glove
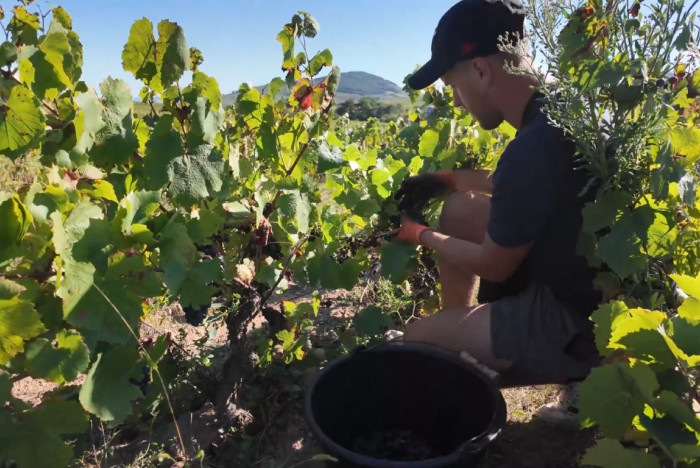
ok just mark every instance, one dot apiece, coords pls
pixel 411 231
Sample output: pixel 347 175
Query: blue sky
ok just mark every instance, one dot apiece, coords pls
pixel 237 37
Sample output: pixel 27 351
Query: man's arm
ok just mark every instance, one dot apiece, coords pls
pixel 477 180
pixel 488 260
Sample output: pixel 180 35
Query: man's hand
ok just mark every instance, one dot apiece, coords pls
pixel 410 231
pixel 416 191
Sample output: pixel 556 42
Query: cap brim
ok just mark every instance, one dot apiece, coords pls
pixel 426 75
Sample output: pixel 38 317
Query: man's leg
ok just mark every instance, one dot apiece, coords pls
pixel 465 216
pixel 459 329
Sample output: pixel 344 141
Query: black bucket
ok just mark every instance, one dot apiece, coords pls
pixel 444 408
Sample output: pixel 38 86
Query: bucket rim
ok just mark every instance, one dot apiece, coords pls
pixel 473 446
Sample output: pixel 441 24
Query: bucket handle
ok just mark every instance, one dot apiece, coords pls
pixel 479 444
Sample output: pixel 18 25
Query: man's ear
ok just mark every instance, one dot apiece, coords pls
pixel 483 70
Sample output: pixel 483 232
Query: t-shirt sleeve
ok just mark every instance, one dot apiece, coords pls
pixel 525 186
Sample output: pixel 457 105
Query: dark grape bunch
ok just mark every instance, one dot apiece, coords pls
pixel 145 381
pixel 350 245
pixel 424 280
pixel 195 316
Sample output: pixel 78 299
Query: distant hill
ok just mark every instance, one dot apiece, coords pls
pixel 353 85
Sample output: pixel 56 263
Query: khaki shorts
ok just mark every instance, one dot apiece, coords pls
pixel 547 341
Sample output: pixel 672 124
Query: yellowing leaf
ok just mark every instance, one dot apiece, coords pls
pixel 686 141
pixel 18 322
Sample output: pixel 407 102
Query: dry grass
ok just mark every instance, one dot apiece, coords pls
pixel 17 174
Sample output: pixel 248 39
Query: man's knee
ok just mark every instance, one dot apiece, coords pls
pixel 465 215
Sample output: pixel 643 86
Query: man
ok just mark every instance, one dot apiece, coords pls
pixel 523 222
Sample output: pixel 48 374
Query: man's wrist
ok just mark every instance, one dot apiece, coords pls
pixel 422 235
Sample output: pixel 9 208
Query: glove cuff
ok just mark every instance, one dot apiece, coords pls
pixel 419 232
pixel 447 178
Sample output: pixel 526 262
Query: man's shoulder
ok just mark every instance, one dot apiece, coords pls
pixel 539 139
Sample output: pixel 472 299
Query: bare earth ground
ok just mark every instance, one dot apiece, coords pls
pixel 279 437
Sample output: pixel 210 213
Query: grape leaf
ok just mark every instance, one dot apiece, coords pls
pixel 320 60
pixel 103 189
pixel 116 141
pixel 176 246
pixel 106 391
pixel 24 25
pixel 372 321
pixel 9 289
pixel 660 237
pixel 286 39
pixel 60 363
pixel 207 224
pixel 88 122
pixel 295 210
pixel 688 284
pixel 649 346
pixel 205 123
pixel 137 55
pixel 614 394
pixel 685 335
pixel 429 143
pixel 198 290
pixel 5 388
pixel 15 219
pixel 19 321
pixel 620 249
pixel 157 63
pixel 38 74
pixel 686 141
pixel 604 211
pixel 162 148
pixel 21 121
pixel 203 85
pixel 333 80
pixel 62 17
pixel 381 180
pixel 329 157
pixel 48 423
pixel 689 453
pixel 670 404
pixel 667 431
pixel 174 277
pixel 55 65
pixel 173 55
pixel 138 208
pixel 87 309
pixel 275 86
pixel 8 52
pixel 604 317
pixel 611 454
pixel 635 320
pixel 395 258
pixel 323 270
pixel 84 237
pixel 194 177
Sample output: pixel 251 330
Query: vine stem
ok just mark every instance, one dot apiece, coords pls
pixel 303 150
pixel 155 368
pixel 324 112
pixel 284 270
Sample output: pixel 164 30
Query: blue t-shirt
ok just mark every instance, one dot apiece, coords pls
pixel 536 199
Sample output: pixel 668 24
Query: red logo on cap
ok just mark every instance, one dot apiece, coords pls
pixel 467 48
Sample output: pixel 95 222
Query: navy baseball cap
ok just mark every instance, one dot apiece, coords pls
pixel 471 28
